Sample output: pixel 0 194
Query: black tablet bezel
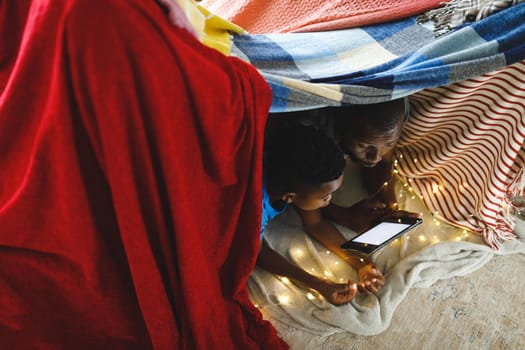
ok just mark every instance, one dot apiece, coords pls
pixel 370 248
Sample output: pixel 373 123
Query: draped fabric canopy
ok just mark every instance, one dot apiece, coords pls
pixel 379 62
pixel 386 61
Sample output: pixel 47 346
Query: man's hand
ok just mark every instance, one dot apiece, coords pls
pixel 371 280
pixel 337 293
pixel 364 214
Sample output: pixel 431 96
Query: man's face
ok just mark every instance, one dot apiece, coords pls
pixel 368 146
pixel 308 198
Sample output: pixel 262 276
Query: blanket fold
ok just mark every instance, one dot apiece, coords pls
pixel 261 16
pixel 128 221
pixel 380 62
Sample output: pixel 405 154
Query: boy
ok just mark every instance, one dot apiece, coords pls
pixel 304 167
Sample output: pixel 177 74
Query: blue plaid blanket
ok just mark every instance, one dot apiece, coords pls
pixel 380 62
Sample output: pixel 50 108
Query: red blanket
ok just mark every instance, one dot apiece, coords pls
pixel 130 172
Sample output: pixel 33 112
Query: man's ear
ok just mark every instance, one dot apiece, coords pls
pixel 288 197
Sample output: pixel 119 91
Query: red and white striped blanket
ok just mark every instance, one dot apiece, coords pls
pixel 463 151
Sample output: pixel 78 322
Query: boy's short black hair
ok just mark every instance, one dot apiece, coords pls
pixel 301 155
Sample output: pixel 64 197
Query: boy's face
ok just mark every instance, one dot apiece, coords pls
pixel 310 198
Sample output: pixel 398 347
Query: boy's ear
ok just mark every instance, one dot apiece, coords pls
pixel 288 197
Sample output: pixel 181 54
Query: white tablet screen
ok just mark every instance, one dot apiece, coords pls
pixel 380 233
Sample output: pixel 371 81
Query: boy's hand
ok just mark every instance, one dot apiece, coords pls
pixel 338 293
pixel 371 280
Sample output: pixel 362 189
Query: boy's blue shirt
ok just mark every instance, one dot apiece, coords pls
pixel 268 212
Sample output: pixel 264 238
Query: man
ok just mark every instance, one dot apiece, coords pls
pixel 368 134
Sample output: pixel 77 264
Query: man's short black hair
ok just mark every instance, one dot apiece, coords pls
pixel 383 116
pixel 301 155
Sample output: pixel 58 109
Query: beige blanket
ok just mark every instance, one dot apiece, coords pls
pixel 432 252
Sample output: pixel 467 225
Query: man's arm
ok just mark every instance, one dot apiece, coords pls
pixel 357 217
pixel 335 293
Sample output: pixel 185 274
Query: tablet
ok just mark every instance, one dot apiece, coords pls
pixel 381 234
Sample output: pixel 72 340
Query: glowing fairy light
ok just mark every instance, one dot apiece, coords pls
pixel 298 252
pixel 415 160
pixel 334 265
pixel 284 299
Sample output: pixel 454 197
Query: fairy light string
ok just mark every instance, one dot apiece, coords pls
pixel 433 230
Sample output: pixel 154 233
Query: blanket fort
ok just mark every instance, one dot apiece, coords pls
pixel 392 60
pixel 128 221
